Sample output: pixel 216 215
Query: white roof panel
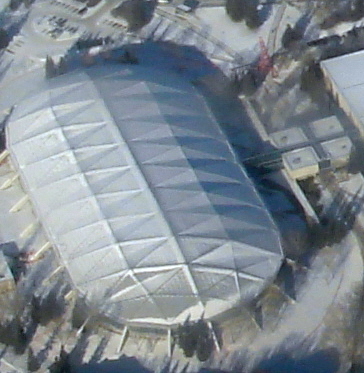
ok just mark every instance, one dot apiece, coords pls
pixel 346 70
pixel 142 195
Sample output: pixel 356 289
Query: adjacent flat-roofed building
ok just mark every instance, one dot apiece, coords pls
pixel 307 149
pixel 344 76
pixel 142 196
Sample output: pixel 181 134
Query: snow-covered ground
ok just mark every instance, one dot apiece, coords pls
pixel 4 4
pixel 332 275
pixel 238 36
pixel 331 278
pixel 234 34
pixel 210 30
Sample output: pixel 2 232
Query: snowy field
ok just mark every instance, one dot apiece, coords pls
pixel 4 4
pixel 236 35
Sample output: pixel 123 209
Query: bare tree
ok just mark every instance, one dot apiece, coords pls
pixel 195 338
pixel 33 362
pixel 49 306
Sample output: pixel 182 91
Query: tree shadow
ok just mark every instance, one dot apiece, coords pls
pixel 207 370
pixel 323 361
pixel 133 365
pixel 124 364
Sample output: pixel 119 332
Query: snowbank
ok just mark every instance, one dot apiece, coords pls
pixel 236 35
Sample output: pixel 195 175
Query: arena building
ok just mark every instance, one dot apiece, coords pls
pixel 142 196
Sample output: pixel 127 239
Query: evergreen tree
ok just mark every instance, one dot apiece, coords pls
pixel 252 18
pixel 4 38
pixel 62 66
pixel 290 35
pixel 235 10
pixel 32 362
pixel 50 68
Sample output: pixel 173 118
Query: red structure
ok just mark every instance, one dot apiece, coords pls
pixel 265 64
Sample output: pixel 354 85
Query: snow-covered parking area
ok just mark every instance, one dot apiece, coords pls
pixel 308 323
pixel 236 35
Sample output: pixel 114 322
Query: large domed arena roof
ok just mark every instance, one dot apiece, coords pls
pixel 142 196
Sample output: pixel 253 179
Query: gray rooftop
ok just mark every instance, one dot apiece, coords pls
pixel 338 148
pixel 300 158
pixel 347 75
pixel 288 137
pixel 326 127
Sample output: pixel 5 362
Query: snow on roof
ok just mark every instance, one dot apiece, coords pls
pixel 346 70
pixel 325 127
pixel 300 158
pixel 142 195
pixel 288 137
pixel 338 148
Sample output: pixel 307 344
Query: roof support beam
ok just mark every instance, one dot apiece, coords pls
pixel 53 275
pixel 214 337
pixel 18 205
pixel 7 183
pixel 169 342
pixel 82 327
pixel 124 337
pixel 71 295
pixel 4 154
pixel 29 230
pixel 42 250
